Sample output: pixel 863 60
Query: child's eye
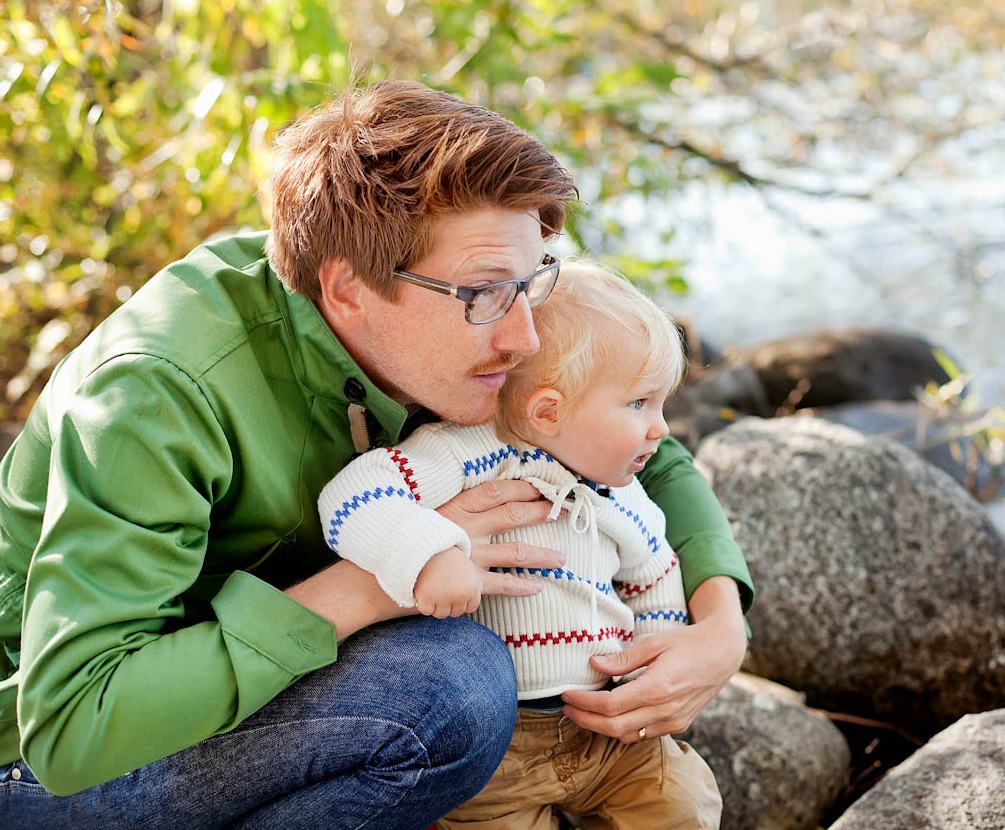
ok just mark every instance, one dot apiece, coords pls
pixel 637 403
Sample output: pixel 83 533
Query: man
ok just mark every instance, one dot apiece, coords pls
pixel 179 650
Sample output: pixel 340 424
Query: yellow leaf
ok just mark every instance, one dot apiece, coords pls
pixel 66 40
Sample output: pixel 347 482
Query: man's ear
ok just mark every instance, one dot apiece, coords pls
pixel 341 301
pixel 545 409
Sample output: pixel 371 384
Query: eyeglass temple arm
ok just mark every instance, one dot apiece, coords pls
pixel 427 282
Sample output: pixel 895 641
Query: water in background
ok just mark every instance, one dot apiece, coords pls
pixel 928 260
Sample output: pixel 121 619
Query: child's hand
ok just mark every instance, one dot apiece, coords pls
pixel 449 585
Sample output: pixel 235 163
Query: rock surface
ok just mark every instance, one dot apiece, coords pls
pixel 881 582
pixel 779 765
pixel 955 782
pixel 828 367
pixel 816 369
pixel 942 438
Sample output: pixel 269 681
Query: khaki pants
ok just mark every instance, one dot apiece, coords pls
pixel 659 784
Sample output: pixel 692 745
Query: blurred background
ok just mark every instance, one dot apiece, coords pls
pixel 766 167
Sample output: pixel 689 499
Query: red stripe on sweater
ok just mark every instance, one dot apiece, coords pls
pixel 631 590
pixel 401 460
pixel 546 638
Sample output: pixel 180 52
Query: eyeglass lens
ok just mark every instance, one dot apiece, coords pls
pixel 496 300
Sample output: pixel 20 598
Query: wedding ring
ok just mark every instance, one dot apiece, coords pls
pixel 642 734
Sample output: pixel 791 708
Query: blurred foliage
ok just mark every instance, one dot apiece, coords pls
pixel 133 129
pixel 974 435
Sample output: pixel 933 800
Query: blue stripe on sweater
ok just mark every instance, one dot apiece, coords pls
pixel 559 574
pixel 358 501
pixel 486 463
pixel 653 542
pixel 664 614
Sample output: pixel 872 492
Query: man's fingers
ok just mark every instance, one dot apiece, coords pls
pixel 508 585
pixel 492 494
pixel 626 728
pixel 516 555
pixel 501 518
pixel 495 507
pixel 619 712
pixel 601 712
pixel 606 703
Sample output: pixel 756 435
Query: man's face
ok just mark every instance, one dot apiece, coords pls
pixel 421 350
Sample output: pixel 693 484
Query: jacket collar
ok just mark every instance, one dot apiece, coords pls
pixel 326 369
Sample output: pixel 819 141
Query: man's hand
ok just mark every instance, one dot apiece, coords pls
pixel 683 670
pixel 449 585
pixel 495 507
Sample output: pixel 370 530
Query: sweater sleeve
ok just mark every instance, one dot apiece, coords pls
pixel 113 676
pixel 374 513
pixel 649 579
pixel 697 527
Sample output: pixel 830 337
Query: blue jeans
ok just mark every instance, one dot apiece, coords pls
pixel 411 721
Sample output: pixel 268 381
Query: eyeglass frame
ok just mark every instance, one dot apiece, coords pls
pixel 468 293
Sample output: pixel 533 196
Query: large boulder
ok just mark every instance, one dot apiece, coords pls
pixel 943 437
pixel 779 765
pixel 881 581
pixel 814 369
pixel 955 782
pixel 821 368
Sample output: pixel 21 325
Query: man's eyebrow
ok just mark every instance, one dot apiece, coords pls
pixel 494 271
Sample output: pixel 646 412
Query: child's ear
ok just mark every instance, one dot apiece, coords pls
pixel 545 408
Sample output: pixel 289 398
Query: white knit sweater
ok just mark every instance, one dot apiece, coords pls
pixel 621 578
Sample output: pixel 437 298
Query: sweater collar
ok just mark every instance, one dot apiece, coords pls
pixel 601 490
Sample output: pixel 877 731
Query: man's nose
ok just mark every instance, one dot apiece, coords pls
pixel 515 330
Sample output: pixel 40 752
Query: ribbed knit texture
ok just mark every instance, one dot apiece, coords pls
pixel 621 578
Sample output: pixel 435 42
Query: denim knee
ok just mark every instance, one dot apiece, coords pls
pixel 476 685
pixel 411 720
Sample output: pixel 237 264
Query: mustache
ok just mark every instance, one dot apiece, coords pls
pixel 503 363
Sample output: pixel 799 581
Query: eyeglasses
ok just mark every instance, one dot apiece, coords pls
pixel 488 303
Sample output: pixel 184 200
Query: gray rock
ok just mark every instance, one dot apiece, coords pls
pixel 941 437
pixel 996 512
pixel 820 368
pixel 712 399
pixel 779 765
pixel 955 782
pixel 881 581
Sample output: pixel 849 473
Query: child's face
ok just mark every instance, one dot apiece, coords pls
pixel 615 428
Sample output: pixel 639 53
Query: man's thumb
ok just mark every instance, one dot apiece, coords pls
pixel 619 663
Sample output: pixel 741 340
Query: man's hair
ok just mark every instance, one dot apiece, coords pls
pixel 584 327
pixel 364 177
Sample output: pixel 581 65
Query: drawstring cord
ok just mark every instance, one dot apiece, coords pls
pixel 575 496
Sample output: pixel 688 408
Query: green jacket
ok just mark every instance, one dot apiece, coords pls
pixel 164 491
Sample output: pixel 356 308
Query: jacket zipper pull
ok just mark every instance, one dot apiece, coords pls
pixel 359 429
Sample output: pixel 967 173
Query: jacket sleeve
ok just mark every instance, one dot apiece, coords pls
pixel 697 527
pixel 112 675
pixel 373 512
